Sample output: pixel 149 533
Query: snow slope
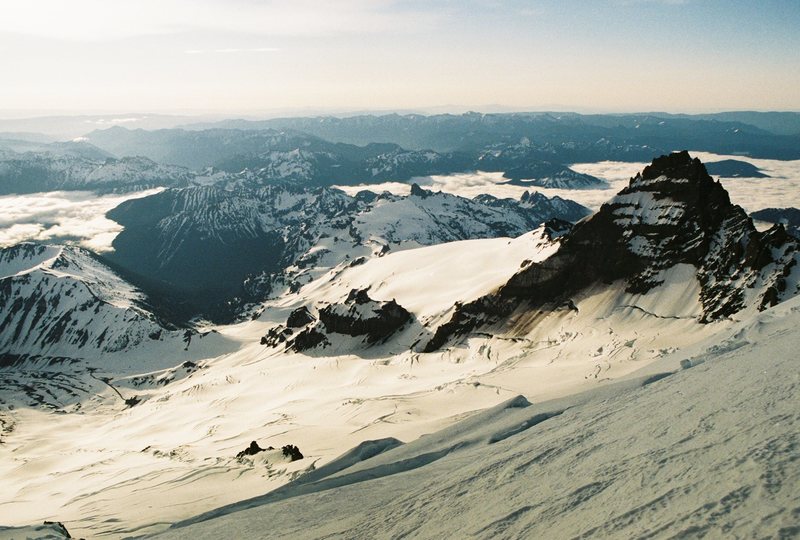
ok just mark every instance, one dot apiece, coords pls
pixel 173 454
pixel 709 451
pixel 60 305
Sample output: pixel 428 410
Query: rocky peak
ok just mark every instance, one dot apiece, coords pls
pixel 671 213
pixel 419 192
pixel 675 165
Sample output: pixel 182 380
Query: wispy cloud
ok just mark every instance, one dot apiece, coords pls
pixel 232 50
pixel 112 121
pixel 98 20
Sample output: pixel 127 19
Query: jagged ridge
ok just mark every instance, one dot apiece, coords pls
pixel 671 213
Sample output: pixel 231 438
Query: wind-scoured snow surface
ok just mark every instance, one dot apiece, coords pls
pixel 709 451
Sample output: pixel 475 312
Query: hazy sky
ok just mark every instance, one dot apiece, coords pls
pixel 258 55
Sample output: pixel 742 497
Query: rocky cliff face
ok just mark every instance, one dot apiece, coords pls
pixel 671 213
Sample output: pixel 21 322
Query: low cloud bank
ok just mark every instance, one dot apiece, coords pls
pixel 76 217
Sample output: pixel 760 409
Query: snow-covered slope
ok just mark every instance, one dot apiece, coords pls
pixel 173 454
pixel 709 451
pixel 61 305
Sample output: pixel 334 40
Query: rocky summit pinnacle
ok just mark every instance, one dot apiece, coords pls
pixel 671 213
pixel 675 165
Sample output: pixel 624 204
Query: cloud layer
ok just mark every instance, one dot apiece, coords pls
pixel 61 216
pixel 781 190
pixel 79 217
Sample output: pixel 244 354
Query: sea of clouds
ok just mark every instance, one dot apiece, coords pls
pixel 781 190
pixel 76 217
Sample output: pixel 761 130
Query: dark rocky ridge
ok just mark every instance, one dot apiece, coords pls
pixel 671 213
pixel 360 315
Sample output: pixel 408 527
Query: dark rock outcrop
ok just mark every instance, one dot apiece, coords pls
pixel 289 450
pixel 252 450
pixel 292 452
pixel 360 315
pixel 299 317
pixel 276 335
pixel 308 339
pixel 417 191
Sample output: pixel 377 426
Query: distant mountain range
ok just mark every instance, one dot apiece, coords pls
pixel 567 137
pixel 531 149
pixel 271 155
